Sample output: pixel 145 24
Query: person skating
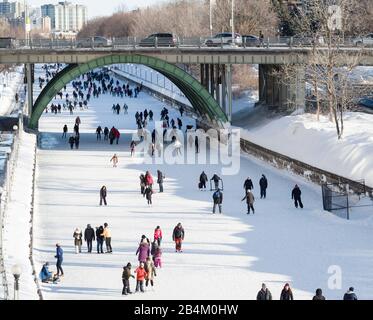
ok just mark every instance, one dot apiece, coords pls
pixel 106 133
pixel 158 257
pixel 78 240
pixel 263 183
pixel 132 147
pixel 296 195
pixel 64 130
pixel 158 235
pixel 112 135
pixel 142 184
pixel 286 293
pixel 218 200
pixel 350 294
pixel 59 257
pixel 249 197
pixel 149 179
pixel 318 295
pixel 178 237
pixel 216 180
pixel 150 272
pixel 248 185
pixel 71 142
pixel 126 275
pixel 103 194
pixel 148 194
pixel 202 181
pixel 114 160
pixel 100 239
pixel 160 180
pixel 89 237
pixel 140 277
pixel 264 293
pixel 143 251
pixel 98 133
pixel 107 236
pixel 77 141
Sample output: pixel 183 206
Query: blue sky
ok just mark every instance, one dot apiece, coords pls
pixel 101 7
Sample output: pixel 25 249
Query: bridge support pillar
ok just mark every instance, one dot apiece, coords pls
pixel 281 89
pixel 229 89
pixel 30 94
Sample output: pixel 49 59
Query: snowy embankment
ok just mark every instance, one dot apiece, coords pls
pixel 314 142
pixel 17 219
pixel 9 86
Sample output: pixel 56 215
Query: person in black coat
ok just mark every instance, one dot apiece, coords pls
pixel 202 180
pixel 263 183
pixel 89 237
pixel 77 140
pixel 248 185
pixel 216 180
pixel 350 294
pixel 103 194
pixel 296 195
pixel 218 200
pixel 100 239
pixel 64 131
pixel 106 133
pixel 148 194
pixel 160 180
pixel 318 295
pixel 286 293
pixel 71 142
pixel 264 293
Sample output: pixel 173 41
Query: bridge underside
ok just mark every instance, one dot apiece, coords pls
pixel 202 101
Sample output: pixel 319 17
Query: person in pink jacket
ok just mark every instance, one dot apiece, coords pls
pixel 158 235
pixel 149 179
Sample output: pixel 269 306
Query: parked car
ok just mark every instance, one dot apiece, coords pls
pixel 7 42
pixel 224 38
pixel 250 40
pixel 366 102
pixel 365 40
pixel 96 42
pixel 160 40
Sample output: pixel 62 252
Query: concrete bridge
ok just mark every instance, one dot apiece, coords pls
pixel 211 97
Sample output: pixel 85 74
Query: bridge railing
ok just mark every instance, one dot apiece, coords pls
pixel 181 42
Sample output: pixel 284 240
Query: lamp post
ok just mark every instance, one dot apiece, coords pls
pixel 232 23
pixel 16 270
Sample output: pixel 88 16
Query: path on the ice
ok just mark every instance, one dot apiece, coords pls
pixel 225 256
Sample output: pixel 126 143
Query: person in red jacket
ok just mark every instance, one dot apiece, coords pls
pixel 149 179
pixel 116 135
pixel 141 274
pixel 158 235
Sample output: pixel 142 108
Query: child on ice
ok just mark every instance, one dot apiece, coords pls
pixel 140 277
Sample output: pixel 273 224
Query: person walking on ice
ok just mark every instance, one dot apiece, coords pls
pixel 248 185
pixel 178 236
pixel 150 272
pixel 103 194
pixel 148 195
pixel 59 257
pixel 218 200
pixel 114 160
pixel 264 293
pixel 143 251
pixel 100 239
pixel 78 240
pixel 263 183
pixel 140 277
pixel 64 130
pixel 250 201
pixel 296 196
pixel 158 235
pixel 72 142
pixel 216 180
pixel 160 180
pixel 107 236
pixel 202 181
pixel 89 237
pixel 126 275
pixel 132 148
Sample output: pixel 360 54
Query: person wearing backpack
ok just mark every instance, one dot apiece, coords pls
pixel 178 237
pixel 218 200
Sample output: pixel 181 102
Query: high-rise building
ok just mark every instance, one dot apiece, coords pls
pixel 5 8
pixel 66 16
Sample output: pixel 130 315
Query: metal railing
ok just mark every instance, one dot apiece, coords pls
pixel 180 42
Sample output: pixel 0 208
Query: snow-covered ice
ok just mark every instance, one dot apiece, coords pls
pixel 225 256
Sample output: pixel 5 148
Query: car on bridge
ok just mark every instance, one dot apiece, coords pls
pixel 250 40
pixel 224 38
pixel 159 40
pixel 366 40
pixel 94 42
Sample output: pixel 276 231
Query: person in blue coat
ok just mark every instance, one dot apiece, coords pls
pixel 59 257
pixel 350 294
pixel 45 275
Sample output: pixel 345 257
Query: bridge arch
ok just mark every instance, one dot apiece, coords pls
pixel 201 100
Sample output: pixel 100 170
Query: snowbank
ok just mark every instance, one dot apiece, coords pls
pixel 12 82
pixel 17 220
pixel 303 138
